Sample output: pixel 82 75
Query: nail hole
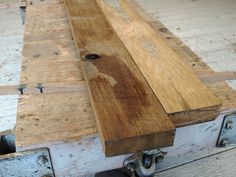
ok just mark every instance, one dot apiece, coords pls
pixel 164 30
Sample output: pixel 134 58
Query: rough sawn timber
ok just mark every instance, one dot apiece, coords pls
pixel 183 96
pixel 128 114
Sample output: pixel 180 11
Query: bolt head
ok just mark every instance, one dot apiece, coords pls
pixel 229 124
pixel 224 142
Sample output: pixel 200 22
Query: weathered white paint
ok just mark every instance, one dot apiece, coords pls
pixel 11 35
pixel 232 83
pixel 11 39
pixel 8 111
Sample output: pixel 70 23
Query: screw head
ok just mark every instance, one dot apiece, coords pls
pixel 229 124
pixel 42 160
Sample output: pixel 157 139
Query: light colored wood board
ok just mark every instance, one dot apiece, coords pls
pixel 201 69
pixel 50 50
pixel 44 2
pixel 163 68
pixel 128 114
pixel 46 22
pixel 51 72
pixel 52 22
pixel 51 117
pixel 9 90
pixel 225 93
pixel 8 107
pixel 221 164
pixel 52 58
pixel 48 34
pixel 217 76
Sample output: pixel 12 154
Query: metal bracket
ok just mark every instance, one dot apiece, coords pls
pixel 33 163
pixel 227 136
pixel 143 164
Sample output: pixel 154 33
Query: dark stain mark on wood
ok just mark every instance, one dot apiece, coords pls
pixel 124 86
pixel 36 56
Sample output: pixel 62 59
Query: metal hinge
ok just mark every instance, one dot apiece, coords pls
pixel 227 136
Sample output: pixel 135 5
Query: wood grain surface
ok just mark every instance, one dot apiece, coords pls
pixel 62 111
pixel 176 86
pixel 128 114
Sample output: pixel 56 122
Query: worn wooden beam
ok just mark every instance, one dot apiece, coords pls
pixel 180 92
pixel 128 114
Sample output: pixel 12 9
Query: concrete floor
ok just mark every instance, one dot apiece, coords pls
pixel 11 35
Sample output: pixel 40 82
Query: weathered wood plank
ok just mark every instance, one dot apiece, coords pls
pixel 52 117
pixel 180 92
pixel 128 114
pixel 62 111
pixel 220 88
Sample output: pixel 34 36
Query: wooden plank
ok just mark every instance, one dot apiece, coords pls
pixel 81 154
pixel 220 88
pixel 128 114
pixel 221 164
pixel 51 117
pixel 48 55
pixel 180 92
pixel 62 111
